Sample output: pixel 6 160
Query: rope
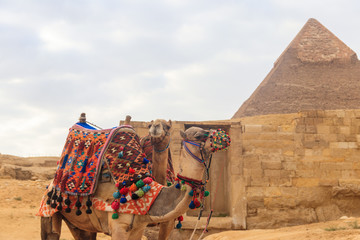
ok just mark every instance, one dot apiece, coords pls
pixel 213 201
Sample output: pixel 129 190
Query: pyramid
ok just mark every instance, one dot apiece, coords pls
pixel 316 71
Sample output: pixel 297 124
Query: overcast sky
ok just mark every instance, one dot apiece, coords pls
pixel 173 59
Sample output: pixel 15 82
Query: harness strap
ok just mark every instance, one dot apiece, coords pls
pixel 159 151
pixel 193 155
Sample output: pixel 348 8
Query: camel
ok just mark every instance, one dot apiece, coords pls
pixel 159 137
pixel 169 204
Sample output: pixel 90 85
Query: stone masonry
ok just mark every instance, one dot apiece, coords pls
pixel 304 168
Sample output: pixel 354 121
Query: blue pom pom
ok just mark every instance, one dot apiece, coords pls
pixel 179 225
pixel 145 161
pixel 192 205
pixel 146 188
pixel 177 185
pixel 191 193
pixel 121 154
pixel 116 195
pixel 123 200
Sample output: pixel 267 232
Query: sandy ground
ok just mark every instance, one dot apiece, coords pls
pixel 19 201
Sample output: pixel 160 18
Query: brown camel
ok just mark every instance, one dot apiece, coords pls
pixel 162 170
pixel 170 203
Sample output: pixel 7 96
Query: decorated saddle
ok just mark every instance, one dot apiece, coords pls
pixel 89 152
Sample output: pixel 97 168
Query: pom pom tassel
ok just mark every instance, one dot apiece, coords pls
pixel 67 203
pixel 88 205
pixel 78 205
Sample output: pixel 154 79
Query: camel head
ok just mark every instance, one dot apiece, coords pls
pixel 159 129
pixel 198 145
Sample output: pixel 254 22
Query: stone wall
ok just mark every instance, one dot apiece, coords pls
pixel 301 168
pixel 283 170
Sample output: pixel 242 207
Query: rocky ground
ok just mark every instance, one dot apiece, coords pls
pixel 23 181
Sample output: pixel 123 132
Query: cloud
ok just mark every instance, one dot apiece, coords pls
pixel 179 60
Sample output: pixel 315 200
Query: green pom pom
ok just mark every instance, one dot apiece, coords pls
pixel 207 193
pixel 140 192
pixel 115 216
pixel 140 184
pixel 182 182
pixel 169 184
pixel 191 193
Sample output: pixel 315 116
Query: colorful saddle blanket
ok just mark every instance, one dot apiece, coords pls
pixel 86 152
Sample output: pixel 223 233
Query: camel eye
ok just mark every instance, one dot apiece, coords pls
pixel 198 137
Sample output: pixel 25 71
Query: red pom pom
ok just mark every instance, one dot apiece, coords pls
pixel 181 218
pixel 115 205
pixel 131 171
pixel 148 180
pixel 117 185
pixel 124 190
pixel 197 203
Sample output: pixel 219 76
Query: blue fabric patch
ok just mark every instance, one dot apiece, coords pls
pixel 85 125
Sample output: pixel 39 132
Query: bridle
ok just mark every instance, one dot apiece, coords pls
pixel 194 183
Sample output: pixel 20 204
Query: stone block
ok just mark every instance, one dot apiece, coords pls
pixel 253 128
pixel 289 191
pixel 300 129
pixel 288 153
pixel 272 173
pixel 272 192
pixel 292 165
pixel 339 145
pixel 348 174
pixel 280 202
pixel 269 128
pixel 271 165
pixel 330 166
pixel 313 196
pixel 306 182
pixel 260 182
pixel 310 129
pixel 286 128
pixel 286 136
pixel 349 182
pixel 255 192
pixel 327 182
pixel 344 130
pixel 305 173
pixel 328 212
pixel 280 181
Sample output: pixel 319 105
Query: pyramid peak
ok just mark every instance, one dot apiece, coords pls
pixel 315 43
pixel 316 71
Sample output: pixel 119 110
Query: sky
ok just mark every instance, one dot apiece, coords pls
pixel 184 60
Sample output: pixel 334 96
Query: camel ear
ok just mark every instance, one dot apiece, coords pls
pixel 183 134
pixel 150 124
pixel 168 125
